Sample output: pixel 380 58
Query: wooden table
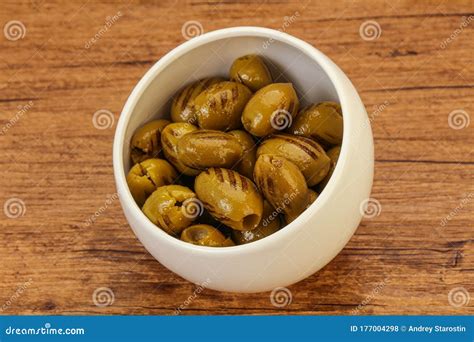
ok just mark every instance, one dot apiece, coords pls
pixel 66 61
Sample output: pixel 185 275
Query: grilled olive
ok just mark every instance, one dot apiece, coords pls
pixel 270 109
pixel 268 225
pixel 220 106
pixel 281 183
pixel 146 176
pixel 182 107
pixel 247 162
pixel 333 154
pixel 145 142
pixel 169 139
pixel 209 148
pixel 312 196
pixel 251 71
pixel 230 198
pixel 205 235
pixel 166 207
pixel 307 154
pixel 322 122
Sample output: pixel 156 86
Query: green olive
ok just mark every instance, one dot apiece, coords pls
pixel 220 106
pixel 170 138
pixel 166 208
pixel 205 235
pixel 269 224
pixel 282 184
pixel 333 154
pixel 230 198
pixel 145 142
pixel 249 157
pixel 322 122
pixel 307 154
pixel 202 149
pixel 146 176
pixel 270 109
pixel 251 71
pixel 182 107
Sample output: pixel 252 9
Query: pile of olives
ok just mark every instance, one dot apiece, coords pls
pixel 237 161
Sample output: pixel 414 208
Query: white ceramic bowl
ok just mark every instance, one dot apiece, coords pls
pixel 318 234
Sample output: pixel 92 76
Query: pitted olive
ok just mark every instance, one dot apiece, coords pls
pixel 230 198
pixel 251 71
pixel 281 183
pixel 269 224
pixel 322 122
pixel 170 138
pixel 146 176
pixel 305 153
pixel 165 208
pixel 270 109
pixel 205 235
pixel 220 106
pixel 204 148
pixel 146 141
pixel 182 107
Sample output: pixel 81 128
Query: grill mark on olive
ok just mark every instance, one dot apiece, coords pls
pixel 270 187
pixel 168 144
pixel 235 93
pixel 299 145
pixel 223 98
pixel 245 184
pixel 219 174
pixel 232 179
pixel 212 103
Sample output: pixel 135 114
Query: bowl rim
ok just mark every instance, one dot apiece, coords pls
pixel 126 199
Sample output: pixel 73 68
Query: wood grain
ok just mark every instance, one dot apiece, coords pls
pixel 404 261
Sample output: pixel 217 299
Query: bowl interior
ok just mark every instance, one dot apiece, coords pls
pixel 214 58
